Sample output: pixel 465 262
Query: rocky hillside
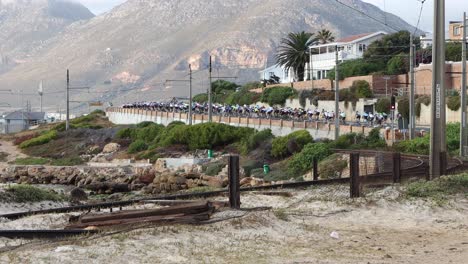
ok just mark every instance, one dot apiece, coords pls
pixel 142 42
pixel 26 25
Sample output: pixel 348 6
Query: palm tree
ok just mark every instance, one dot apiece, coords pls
pixel 325 36
pixel 293 53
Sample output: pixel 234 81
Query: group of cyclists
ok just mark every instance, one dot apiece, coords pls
pixel 259 111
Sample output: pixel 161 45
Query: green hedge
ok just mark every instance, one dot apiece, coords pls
pixel 254 140
pixel 302 162
pixel 40 140
pixel 277 95
pixel 137 146
pixel 281 146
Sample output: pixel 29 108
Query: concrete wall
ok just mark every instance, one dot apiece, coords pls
pixel 122 116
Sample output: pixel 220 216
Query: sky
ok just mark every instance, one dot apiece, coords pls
pixel 406 9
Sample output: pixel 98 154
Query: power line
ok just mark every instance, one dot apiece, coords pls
pixel 366 15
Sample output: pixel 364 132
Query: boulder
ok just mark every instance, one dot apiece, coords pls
pixel 147 178
pixel 214 182
pixel 111 148
pixel 78 194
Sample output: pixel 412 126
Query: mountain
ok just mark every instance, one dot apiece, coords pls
pixel 142 42
pixel 25 25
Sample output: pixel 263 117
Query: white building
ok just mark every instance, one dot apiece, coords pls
pixel 324 57
pixel 426 40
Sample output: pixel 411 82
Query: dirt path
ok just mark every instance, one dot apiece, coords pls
pixel 296 230
pixel 11 150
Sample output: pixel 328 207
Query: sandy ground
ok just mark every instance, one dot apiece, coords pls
pixel 12 151
pixel 297 230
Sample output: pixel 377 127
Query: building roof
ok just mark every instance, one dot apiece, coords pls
pixel 351 39
pixel 21 115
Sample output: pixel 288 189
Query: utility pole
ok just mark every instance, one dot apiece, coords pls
pixel 438 142
pixel 311 68
pixel 337 96
pixel 412 92
pixel 463 132
pixel 41 93
pixel 210 102
pixel 190 95
pixel 67 122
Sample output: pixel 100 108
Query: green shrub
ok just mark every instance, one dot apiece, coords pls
pixel 454 102
pixel 27 193
pixel 398 64
pixel 137 146
pixel 305 95
pixel 362 89
pixel 200 98
pixel 243 97
pixel 126 133
pixel 302 162
pixel 40 140
pixel 251 165
pixel 72 161
pixel 403 107
pixel 280 144
pixel 439 188
pixel 151 155
pixel 149 133
pixel 416 146
pixel 254 140
pixel 425 99
pixel 277 95
pixel 332 167
pixel 214 169
pixel 383 105
pixel 145 124
pixel 31 161
pixel 358 67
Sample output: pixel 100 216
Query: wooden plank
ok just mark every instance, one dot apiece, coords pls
pixel 192 208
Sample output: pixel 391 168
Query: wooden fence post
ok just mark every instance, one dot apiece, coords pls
pixel 315 169
pixel 234 182
pixel 396 167
pixel 354 175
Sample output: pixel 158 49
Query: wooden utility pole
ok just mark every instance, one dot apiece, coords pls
pixel 412 93
pixel 210 99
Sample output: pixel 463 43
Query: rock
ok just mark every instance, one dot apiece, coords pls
pixel 245 181
pixel 95 149
pixel 147 178
pixel 111 148
pixel 214 182
pixel 78 194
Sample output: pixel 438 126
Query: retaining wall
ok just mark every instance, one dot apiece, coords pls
pixel 122 116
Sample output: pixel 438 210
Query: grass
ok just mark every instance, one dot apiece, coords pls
pixel 31 161
pixel 3 156
pixel 27 193
pixel 439 189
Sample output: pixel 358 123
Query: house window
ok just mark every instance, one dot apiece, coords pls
pixel 350 47
pixel 271 74
pixel 286 74
pixel 362 47
pixel 456 31
pixel 319 75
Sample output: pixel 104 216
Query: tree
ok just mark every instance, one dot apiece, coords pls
pixel 293 53
pixel 398 64
pixel 384 49
pixel 325 36
pixel 219 86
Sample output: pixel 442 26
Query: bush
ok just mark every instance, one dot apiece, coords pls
pixel 383 105
pixel 200 98
pixel 254 140
pixel 243 97
pixel 126 133
pixel 403 107
pixel 361 89
pixel 398 64
pixel 29 194
pixel 302 162
pixel 454 102
pixel 251 165
pixel 416 146
pixel 151 155
pixel 425 99
pixel 214 169
pixel 304 95
pixel 277 95
pixel 280 144
pixel 332 167
pixel 40 140
pixel 73 161
pixel 358 67
pixel 439 188
pixel 31 161
pixel 145 124
pixel 21 139
pixel 137 146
